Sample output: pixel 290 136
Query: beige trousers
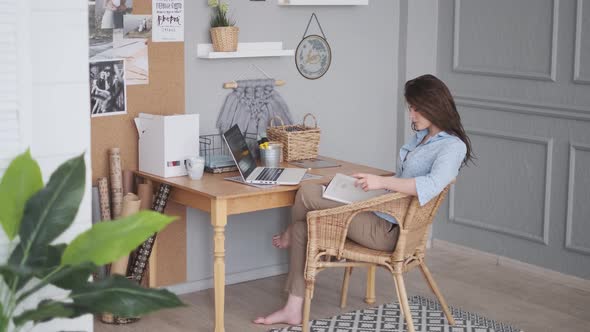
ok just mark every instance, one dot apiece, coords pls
pixel 366 229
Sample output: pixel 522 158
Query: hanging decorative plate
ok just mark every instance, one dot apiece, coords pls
pixel 313 55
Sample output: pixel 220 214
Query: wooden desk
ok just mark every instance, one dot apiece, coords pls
pixel 222 198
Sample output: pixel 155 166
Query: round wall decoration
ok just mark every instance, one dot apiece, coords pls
pixel 313 54
pixel 313 57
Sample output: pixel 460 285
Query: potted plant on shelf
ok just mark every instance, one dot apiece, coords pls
pixel 32 216
pixel 224 33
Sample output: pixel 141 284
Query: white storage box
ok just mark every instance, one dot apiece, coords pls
pixel 165 141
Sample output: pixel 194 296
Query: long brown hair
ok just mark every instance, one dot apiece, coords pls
pixel 433 100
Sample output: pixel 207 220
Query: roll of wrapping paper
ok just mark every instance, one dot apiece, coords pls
pixel 103 195
pixel 105 214
pixel 145 191
pixel 128 182
pixel 140 261
pixel 131 205
pixel 95 205
pixel 116 182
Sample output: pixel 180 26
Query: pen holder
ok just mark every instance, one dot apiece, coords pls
pixel 271 156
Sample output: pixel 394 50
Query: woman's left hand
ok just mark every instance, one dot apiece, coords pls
pixel 368 181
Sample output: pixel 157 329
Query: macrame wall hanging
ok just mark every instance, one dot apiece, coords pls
pixel 313 55
pixel 251 105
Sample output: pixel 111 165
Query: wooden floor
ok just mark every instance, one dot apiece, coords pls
pixel 501 293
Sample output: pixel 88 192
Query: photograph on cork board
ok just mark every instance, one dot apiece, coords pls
pixel 137 26
pixel 114 33
pixel 135 53
pixel 109 13
pixel 107 88
pixel 104 16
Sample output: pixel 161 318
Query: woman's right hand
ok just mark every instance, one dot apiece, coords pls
pixel 368 181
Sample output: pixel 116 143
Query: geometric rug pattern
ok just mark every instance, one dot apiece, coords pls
pixel 426 313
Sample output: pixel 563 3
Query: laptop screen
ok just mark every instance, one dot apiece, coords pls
pixel 239 149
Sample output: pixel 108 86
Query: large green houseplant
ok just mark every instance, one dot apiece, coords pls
pixel 33 216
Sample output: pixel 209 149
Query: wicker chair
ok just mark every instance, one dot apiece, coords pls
pixel 327 231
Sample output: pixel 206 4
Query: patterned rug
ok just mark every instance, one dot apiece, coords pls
pixel 427 315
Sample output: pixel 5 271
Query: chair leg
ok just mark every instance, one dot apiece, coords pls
pixel 307 306
pixel 402 297
pixel 436 291
pixel 344 292
pixel 370 293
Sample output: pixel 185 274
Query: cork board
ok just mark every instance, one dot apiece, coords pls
pixel 163 95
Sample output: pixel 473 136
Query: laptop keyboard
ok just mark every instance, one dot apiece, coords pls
pixel 269 174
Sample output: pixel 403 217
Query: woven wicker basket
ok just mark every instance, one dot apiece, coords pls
pixel 224 39
pixel 299 141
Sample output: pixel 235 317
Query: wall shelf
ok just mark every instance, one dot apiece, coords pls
pixel 245 50
pixel 323 2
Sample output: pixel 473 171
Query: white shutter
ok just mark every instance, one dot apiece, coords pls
pixel 15 79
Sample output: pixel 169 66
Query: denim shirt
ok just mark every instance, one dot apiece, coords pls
pixel 434 164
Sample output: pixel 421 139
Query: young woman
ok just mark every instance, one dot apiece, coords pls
pixel 427 164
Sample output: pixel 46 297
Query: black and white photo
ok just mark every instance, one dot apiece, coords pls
pixel 107 88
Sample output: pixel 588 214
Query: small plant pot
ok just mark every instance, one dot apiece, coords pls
pixel 224 39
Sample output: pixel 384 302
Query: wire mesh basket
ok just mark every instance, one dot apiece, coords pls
pixel 217 156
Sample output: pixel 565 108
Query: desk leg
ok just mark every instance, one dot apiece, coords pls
pixel 219 220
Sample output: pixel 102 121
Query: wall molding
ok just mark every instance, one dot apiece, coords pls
pixel 550 76
pixel 570 199
pixel 544 237
pixel 230 278
pixel 547 274
pixel 522 107
pixel 578 78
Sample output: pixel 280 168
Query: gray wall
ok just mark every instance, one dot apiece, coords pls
pixel 355 103
pixel 418 52
pixel 520 72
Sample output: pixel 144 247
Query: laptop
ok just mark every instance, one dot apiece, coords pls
pixel 247 165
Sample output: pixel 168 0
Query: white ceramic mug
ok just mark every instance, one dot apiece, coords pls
pixel 194 167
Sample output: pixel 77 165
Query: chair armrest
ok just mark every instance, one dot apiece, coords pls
pixel 327 229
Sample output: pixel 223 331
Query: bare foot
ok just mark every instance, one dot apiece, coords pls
pixel 283 316
pixel 282 240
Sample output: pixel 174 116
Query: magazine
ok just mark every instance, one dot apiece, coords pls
pixel 342 189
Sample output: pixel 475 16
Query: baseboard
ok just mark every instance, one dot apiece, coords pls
pixel 233 278
pixel 562 278
pixel 482 255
